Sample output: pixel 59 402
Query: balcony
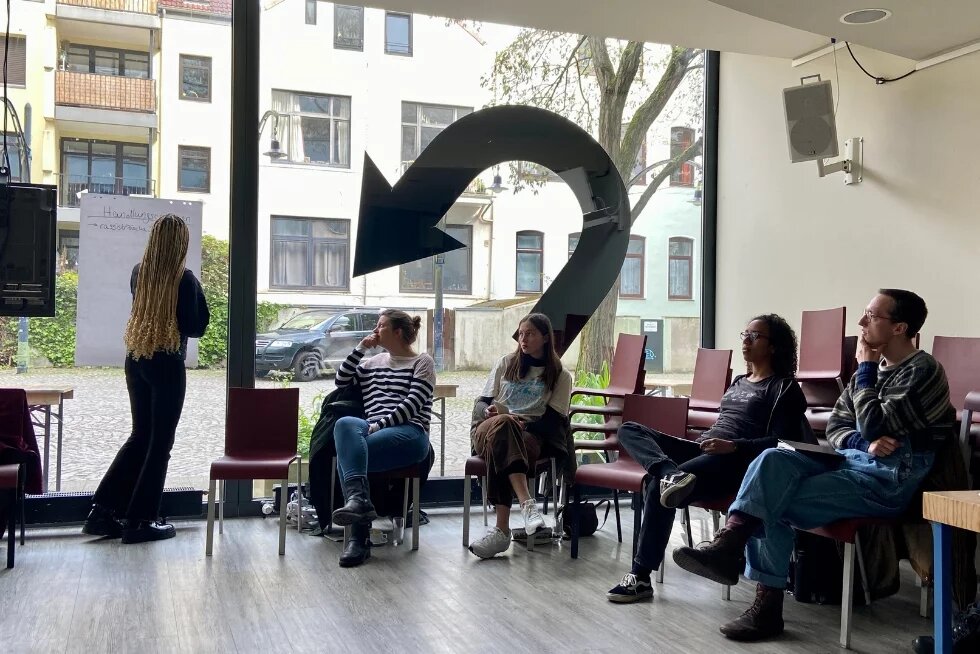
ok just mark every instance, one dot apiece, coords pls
pixel 70 186
pixel 119 13
pixel 106 99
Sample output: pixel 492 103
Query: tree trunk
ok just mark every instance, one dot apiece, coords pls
pixel 597 344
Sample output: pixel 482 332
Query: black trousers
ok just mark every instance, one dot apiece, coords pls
pixel 133 484
pixel 718 476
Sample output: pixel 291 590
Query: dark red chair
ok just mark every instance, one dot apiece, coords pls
pixel 960 358
pixel 665 414
pixel 712 377
pixel 260 443
pixel 12 484
pixel 625 377
pixel 412 475
pixel 822 362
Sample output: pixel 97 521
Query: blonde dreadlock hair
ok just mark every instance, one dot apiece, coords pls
pixel 152 325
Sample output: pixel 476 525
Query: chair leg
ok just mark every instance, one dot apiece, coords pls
pixel 660 571
pixel 416 512
pixel 209 542
pixel 619 525
pixel 299 493
pixel 846 596
pixel 221 506
pixel 333 484
pixel 726 593
pixel 554 484
pixel 12 528
pixel 405 501
pixel 861 569
pixel 637 520
pixel 282 516
pixel 575 521
pixel 467 492
pixel 483 495
pixel 715 523
pixel 687 526
pixel 21 481
pixel 924 600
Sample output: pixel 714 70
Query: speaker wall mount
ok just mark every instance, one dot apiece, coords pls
pixel 811 130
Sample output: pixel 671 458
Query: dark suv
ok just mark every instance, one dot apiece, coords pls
pixel 313 340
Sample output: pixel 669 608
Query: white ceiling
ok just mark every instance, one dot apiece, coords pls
pixel 916 30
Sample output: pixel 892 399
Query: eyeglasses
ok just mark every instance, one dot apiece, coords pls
pixel 871 315
pixel 751 336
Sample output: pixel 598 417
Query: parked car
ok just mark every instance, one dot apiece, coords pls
pixel 312 341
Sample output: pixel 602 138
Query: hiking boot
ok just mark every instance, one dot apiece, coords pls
pixel 675 488
pixel 630 589
pixel 764 619
pixel 966 634
pixel 721 559
pixel 358 508
pixel 358 549
pixel 102 522
pixel 532 517
pixel 494 542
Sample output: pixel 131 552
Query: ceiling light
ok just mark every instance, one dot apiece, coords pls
pixel 865 16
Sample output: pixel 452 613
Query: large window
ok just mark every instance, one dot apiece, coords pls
pixel 398 33
pixel 195 78
pixel 348 27
pixel 108 61
pixel 107 167
pixel 457 269
pixel 631 276
pixel 530 262
pixel 680 282
pixel 16 63
pixel 310 253
pixel 314 129
pixel 422 122
pixel 681 138
pixel 311 12
pixel 194 172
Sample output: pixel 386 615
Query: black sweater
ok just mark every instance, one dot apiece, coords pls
pixel 193 315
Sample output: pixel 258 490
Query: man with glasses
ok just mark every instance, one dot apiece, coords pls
pixel 887 425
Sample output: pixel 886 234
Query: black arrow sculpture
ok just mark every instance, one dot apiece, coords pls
pixel 398 225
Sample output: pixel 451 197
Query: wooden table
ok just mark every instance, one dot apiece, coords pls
pixel 660 387
pixel 944 510
pixel 442 391
pixel 40 402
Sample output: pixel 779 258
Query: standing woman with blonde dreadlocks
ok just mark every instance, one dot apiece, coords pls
pixel 168 308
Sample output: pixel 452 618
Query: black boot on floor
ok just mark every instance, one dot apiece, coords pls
pixel 764 619
pixel 358 508
pixel 144 531
pixel 102 522
pixel 966 634
pixel 358 549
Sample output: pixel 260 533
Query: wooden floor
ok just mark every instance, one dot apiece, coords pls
pixel 71 593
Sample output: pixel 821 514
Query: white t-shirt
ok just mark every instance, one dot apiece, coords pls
pixel 528 396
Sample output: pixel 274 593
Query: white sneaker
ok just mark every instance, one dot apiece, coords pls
pixel 494 542
pixel 532 518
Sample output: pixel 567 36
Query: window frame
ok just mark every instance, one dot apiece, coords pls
pixel 119 160
pixel 311 242
pixel 641 256
pixel 469 268
pixel 93 50
pixel 286 118
pixel 680 257
pixel 519 250
pixel 417 125
pixel 183 64
pixel 310 17
pixel 411 34
pixel 685 169
pixel 192 150
pixel 359 46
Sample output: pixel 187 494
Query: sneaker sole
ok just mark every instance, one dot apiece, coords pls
pixel 483 557
pixel 628 599
pixel 346 519
pixel 684 560
pixel 677 493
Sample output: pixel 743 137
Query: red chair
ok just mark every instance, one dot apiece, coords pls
pixel 822 362
pixel 665 414
pixel 625 377
pixel 12 482
pixel 413 477
pixel 712 377
pixel 960 358
pixel 260 443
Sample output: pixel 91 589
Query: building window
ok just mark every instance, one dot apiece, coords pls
pixel 422 122
pixel 314 129
pixel 107 61
pixel 310 253
pixel 67 249
pixel 107 167
pixel 348 27
pixel 16 62
pixel 530 262
pixel 680 281
pixel 631 276
pixel 194 172
pixel 311 12
pixel 681 138
pixel 11 156
pixel 195 78
pixel 398 33
pixel 457 271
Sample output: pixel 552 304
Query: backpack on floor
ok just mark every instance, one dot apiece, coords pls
pixel 817 571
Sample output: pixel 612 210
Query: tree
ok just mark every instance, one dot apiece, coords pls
pixel 571 75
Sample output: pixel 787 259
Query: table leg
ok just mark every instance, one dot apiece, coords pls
pixel 47 445
pixel 442 437
pixel 61 413
pixel 943 617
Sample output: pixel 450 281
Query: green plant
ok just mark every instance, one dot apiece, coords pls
pixel 588 379
pixel 54 338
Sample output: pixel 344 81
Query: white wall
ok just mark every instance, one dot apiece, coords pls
pixel 789 240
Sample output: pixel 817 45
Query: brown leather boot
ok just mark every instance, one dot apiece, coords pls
pixel 721 560
pixel 764 619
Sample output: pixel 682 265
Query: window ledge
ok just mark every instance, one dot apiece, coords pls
pixel 306 166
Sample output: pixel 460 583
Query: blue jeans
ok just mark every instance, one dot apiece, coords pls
pixel 386 449
pixel 787 489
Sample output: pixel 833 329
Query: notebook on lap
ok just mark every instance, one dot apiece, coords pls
pixel 822 453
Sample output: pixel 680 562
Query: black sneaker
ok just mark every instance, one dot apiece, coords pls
pixel 675 488
pixel 145 531
pixel 100 522
pixel 630 589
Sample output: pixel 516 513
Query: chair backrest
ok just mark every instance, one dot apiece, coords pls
pixel 960 357
pixel 712 376
pixel 262 422
pixel 626 374
pixel 822 344
pixel 665 414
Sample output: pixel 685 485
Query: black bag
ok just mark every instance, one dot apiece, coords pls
pixel 818 571
pixel 587 514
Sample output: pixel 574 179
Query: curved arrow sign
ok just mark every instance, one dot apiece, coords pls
pixel 398 225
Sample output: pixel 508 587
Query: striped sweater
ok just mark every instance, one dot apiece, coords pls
pixel 395 390
pixel 908 401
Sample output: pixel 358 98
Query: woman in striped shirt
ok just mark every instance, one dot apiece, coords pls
pixel 396 387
